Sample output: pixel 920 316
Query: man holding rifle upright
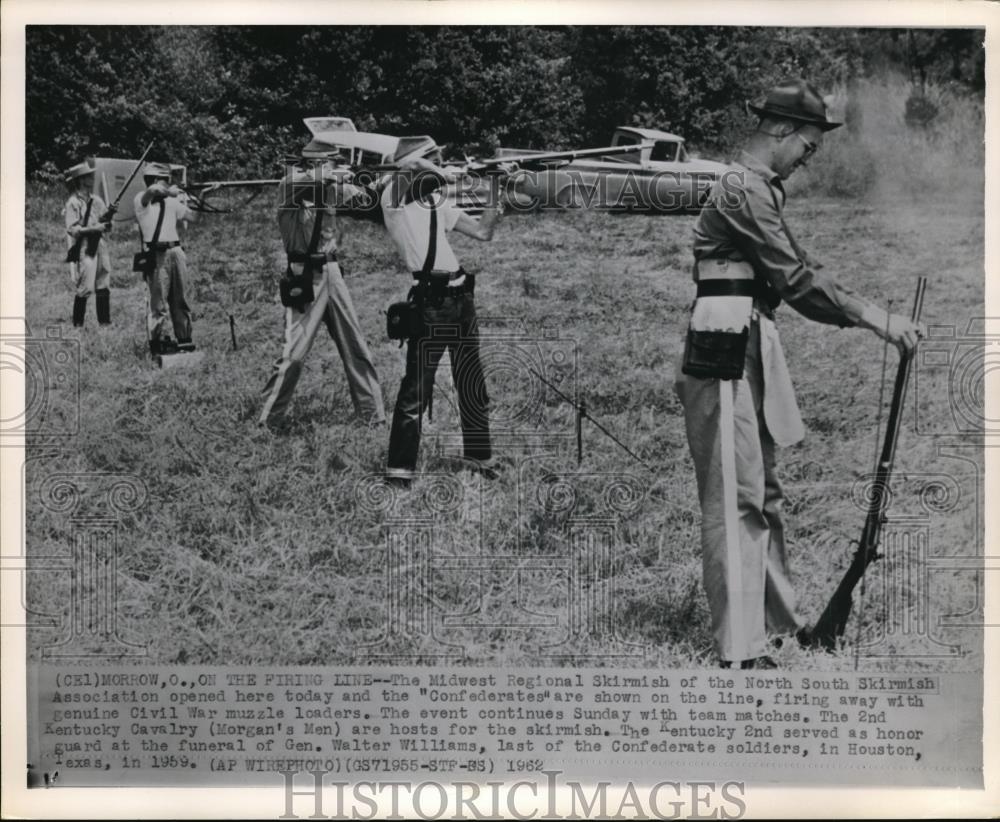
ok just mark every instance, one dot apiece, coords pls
pixel 88 219
pixel 732 380
pixel 418 217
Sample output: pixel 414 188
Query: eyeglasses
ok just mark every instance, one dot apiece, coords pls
pixel 811 147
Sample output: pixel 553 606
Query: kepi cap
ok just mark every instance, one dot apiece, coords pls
pixel 795 99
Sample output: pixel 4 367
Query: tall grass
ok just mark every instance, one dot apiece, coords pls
pixel 256 547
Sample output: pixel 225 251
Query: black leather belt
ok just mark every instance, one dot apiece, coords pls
pixel 440 284
pixel 162 246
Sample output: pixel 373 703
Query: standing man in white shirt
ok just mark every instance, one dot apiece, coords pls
pixel 157 210
pixel 418 216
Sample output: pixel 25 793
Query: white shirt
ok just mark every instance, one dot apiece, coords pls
pixel 410 227
pixel 146 216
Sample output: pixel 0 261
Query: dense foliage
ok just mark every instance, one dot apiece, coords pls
pixel 229 100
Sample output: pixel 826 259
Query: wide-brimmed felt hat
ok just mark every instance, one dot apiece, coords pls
pixel 77 171
pixel 414 148
pixel 795 99
pixel 157 170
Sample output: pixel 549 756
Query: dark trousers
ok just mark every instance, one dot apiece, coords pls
pixel 449 324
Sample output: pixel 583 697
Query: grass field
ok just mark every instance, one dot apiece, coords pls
pixel 270 547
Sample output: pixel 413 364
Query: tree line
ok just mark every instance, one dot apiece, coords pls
pixel 229 100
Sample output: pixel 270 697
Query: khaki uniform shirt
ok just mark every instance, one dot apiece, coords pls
pixel 74 211
pixel 298 206
pixel 743 221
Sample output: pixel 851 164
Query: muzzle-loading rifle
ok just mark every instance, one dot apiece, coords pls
pixel 91 236
pixel 832 622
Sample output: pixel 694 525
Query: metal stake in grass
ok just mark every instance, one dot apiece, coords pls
pixel 232 330
pixel 581 412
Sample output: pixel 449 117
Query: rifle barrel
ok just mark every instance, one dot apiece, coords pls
pixel 131 177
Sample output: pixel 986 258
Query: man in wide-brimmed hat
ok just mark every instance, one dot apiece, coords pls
pixel 158 209
pixel 732 380
pixel 313 291
pixel 88 219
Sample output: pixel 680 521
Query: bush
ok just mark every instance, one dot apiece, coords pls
pixel 920 111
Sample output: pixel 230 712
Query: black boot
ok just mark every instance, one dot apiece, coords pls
pixel 79 311
pixel 162 346
pixel 104 306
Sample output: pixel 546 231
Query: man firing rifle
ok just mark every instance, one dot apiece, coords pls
pixel 313 291
pixel 162 260
pixel 418 217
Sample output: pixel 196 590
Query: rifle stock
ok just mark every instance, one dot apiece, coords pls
pixel 833 621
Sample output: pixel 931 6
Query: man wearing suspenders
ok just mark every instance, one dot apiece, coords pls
pixel 417 217
pixel 313 291
pixel 733 382
pixel 158 208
